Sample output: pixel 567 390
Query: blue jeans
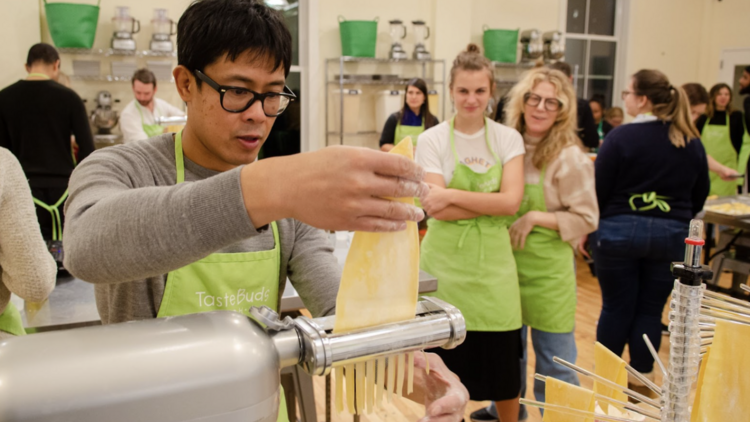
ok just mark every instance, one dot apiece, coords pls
pixel 546 346
pixel 633 256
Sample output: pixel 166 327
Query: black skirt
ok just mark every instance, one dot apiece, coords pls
pixel 488 363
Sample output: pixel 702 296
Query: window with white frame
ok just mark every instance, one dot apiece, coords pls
pixel 591 44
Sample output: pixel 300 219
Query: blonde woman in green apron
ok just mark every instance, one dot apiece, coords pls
pixel 475 168
pixel 26 267
pixel 413 118
pixel 723 135
pixel 559 207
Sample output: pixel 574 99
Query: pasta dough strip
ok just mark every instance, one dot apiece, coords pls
pixel 359 372
pixel 400 375
pixel 349 370
pixel 391 377
pixel 339 375
pixel 380 382
pixel 370 381
pixel 410 374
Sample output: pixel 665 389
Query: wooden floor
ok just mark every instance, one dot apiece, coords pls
pixel 589 306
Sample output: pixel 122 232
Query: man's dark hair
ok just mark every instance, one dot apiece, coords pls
pixel 562 67
pixel 747 69
pixel 42 53
pixel 144 76
pixel 211 28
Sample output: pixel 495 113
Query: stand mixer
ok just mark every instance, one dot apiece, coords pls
pixel 125 26
pixel 398 33
pixel 207 367
pixel 163 29
pixel 421 34
pixel 532 45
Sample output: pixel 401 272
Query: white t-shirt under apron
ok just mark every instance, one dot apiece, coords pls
pixel 435 155
pixel 131 124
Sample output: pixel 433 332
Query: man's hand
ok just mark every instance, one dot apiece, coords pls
pixel 336 188
pixel 437 199
pixel 520 230
pixel 728 174
pixel 441 391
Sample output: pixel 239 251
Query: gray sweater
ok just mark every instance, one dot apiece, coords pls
pixel 128 224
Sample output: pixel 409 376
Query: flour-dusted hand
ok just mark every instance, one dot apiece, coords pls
pixel 336 188
pixel 441 391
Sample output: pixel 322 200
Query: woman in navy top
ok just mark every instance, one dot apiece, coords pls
pixel 651 179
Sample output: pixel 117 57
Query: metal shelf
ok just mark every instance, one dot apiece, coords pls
pixel 109 78
pixel 112 52
pixel 367 133
pixel 338 80
pixel 375 82
pixel 349 59
pixel 522 65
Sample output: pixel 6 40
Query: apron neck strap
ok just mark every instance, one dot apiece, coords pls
pixel 38 75
pixel 179 159
pixel 486 140
pixel 541 176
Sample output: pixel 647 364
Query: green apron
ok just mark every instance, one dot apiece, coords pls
pixel 404 131
pixel 744 155
pixel 224 281
pixel 546 273
pixel 11 322
pixel 600 130
pixel 472 259
pixel 414 132
pixel 151 130
pixel 718 144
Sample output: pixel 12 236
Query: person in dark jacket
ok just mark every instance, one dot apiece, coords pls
pixel 38 116
pixel 586 124
pixel 651 179
pixel 597 110
pixel 413 118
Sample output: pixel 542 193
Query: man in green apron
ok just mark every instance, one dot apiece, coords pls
pixel 191 222
pixel 138 118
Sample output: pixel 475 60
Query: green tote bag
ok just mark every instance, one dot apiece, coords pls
pixel 72 25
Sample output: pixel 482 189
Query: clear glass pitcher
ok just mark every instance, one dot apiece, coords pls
pixel 421 31
pixel 161 24
pixel 123 22
pixel 398 30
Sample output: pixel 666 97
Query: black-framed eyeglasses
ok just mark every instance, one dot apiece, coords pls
pixel 236 99
pixel 550 104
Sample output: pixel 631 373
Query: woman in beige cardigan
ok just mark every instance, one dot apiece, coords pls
pixel 26 267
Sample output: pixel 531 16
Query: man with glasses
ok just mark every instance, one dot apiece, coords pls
pixel 191 222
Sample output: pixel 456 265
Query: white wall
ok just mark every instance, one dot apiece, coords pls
pixel 684 38
pixel 19 30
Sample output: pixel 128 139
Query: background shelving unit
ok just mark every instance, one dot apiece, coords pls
pixel 432 71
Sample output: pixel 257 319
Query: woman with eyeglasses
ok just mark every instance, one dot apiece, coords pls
pixel 413 118
pixel 722 130
pixel 558 208
pixel 651 179
pixel 475 170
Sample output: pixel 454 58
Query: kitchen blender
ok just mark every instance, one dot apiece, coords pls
pixel 163 29
pixel 398 33
pixel 532 45
pixel 421 34
pixel 554 45
pixel 125 27
pixel 104 119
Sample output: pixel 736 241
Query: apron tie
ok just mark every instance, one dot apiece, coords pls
pixel 469 224
pixel 652 199
pixel 56 219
